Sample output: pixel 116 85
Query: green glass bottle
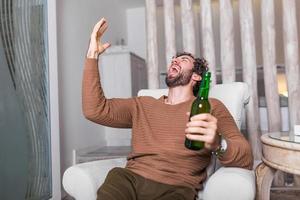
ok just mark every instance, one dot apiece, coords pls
pixel 200 105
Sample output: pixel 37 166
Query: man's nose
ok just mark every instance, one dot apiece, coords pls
pixel 174 60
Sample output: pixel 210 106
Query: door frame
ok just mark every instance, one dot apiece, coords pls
pixel 54 100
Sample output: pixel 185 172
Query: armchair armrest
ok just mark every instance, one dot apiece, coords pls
pixel 230 183
pixel 83 180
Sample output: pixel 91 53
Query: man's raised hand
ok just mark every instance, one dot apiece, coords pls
pixel 96 47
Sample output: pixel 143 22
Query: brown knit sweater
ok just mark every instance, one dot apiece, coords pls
pixel 158 151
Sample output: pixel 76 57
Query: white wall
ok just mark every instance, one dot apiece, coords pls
pixel 75 20
pixel 136 31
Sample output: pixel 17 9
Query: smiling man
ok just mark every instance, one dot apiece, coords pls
pixel 159 166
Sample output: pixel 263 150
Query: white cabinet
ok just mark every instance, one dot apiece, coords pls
pixel 123 74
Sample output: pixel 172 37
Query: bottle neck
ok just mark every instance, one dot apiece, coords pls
pixel 204 88
pixel 203 93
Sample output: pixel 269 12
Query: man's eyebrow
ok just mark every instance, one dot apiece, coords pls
pixel 187 57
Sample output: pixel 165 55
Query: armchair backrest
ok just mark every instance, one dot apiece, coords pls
pixel 233 95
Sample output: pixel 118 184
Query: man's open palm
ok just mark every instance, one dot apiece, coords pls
pixel 96 47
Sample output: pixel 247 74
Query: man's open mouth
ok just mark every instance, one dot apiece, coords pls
pixel 174 69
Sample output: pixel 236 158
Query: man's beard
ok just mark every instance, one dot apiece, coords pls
pixel 181 79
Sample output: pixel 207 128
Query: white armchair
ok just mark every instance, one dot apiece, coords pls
pixel 81 181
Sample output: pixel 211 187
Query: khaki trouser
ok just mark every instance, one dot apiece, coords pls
pixel 122 184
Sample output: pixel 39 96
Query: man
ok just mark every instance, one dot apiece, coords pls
pixel 159 166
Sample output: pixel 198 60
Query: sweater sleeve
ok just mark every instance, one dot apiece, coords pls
pixel 113 112
pixel 238 153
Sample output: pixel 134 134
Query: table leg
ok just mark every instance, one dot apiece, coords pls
pixel 296 180
pixel 264 177
pixel 279 179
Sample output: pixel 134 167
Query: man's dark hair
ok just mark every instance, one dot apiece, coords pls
pixel 200 68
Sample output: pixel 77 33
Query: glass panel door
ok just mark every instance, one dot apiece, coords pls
pixel 25 162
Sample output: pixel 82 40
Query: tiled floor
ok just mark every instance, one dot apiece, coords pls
pixel 67 198
pixel 285 195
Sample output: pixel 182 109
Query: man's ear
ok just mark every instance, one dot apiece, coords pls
pixel 196 77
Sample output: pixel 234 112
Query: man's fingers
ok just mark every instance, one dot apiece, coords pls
pixel 102 29
pixel 197 130
pixel 95 46
pixel 196 137
pixel 204 116
pixel 200 130
pixel 106 45
pixel 201 123
pixel 99 24
pixel 208 141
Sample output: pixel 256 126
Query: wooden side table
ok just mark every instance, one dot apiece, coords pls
pixel 281 151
